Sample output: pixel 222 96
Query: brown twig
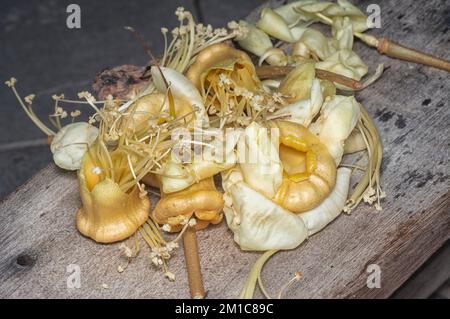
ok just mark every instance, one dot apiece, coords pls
pixel 270 71
pixel 193 263
pixel 334 77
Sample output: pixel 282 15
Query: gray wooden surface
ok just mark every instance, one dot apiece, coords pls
pixel 410 105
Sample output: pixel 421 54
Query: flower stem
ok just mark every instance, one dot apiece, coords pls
pixel 193 263
pixel 269 71
pixel 397 51
pixel 250 284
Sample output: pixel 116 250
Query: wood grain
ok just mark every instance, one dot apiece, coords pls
pixel 410 104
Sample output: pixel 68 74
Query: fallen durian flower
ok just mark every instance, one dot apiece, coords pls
pixel 338 118
pixel 314 221
pixel 153 110
pixel 220 57
pixel 129 146
pixel 300 51
pixel 108 213
pixel 201 200
pixel 307 172
pixel 257 222
pixel 176 176
pixel 189 210
pixel 342 32
pixel 187 107
pixel 317 44
pixel 68 143
pixel 337 55
pixel 367 189
pixel 232 92
pixel 341 59
pixel 304 92
pixel 390 48
pixel 310 171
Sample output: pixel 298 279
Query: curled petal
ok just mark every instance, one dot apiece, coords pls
pixel 303 111
pixel 343 33
pixel 177 176
pixel 273 24
pixel 317 218
pixel 262 169
pixel 354 143
pixel 298 82
pixel 181 88
pixel 255 41
pixel 257 222
pixel 343 8
pixel 337 120
pixel 70 144
pixel 317 43
pixel 309 170
pixel 274 56
pixel 292 16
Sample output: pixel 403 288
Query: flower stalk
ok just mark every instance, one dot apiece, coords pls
pixel 269 71
pixel 193 263
pixel 255 275
pixel 397 51
pixel 368 189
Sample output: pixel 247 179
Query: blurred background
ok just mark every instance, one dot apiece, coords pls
pixel 49 58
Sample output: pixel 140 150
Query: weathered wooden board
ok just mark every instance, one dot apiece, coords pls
pixel 411 107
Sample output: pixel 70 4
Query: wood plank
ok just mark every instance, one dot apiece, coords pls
pixel 411 108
